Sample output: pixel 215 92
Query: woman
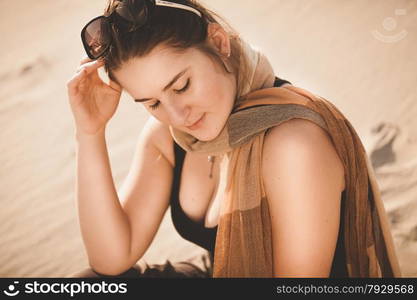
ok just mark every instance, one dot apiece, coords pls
pixel 270 179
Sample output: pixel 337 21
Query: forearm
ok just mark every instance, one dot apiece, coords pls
pixel 104 225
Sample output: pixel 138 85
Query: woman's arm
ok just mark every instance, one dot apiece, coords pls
pixel 117 228
pixel 303 178
pixel 104 225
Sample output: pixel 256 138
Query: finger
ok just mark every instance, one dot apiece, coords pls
pixel 91 64
pixel 92 68
pixel 92 71
pixel 75 79
pixel 85 59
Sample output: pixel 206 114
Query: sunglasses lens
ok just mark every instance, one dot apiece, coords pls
pixel 96 37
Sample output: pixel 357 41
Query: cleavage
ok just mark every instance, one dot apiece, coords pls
pixel 197 192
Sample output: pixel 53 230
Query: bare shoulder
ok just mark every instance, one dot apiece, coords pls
pixel 303 179
pixel 161 138
pixel 302 141
pixel 296 128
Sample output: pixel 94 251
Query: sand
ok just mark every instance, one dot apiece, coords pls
pixel 358 54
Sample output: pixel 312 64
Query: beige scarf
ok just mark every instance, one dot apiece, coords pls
pixel 244 236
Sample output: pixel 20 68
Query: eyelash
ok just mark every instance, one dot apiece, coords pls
pixel 155 106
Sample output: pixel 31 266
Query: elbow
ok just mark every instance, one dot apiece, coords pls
pixel 109 267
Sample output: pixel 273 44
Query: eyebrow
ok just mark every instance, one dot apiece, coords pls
pixel 176 77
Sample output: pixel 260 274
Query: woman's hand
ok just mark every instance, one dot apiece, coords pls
pixel 93 102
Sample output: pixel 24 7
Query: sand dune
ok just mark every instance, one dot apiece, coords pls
pixel 360 55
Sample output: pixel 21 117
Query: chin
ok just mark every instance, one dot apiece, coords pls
pixel 209 131
pixel 206 135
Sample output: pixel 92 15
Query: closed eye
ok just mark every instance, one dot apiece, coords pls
pixel 155 106
pixel 184 88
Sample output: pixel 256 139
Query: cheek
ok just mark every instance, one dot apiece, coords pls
pixel 215 95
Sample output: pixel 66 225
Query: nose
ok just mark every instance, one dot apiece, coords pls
pixel 178 113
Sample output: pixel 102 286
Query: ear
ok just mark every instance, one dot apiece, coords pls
pixel 219 39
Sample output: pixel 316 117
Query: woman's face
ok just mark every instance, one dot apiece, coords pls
pixel 180 89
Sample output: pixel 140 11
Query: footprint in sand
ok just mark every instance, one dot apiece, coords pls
pixel 382 152
pixel 23 78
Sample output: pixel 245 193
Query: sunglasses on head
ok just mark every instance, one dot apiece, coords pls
pixel 96 35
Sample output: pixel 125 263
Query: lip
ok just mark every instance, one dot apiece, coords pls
pixel 197 124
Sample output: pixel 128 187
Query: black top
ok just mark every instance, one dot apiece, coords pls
pixel 197 233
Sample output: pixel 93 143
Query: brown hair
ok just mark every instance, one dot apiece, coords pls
pixel 177 28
